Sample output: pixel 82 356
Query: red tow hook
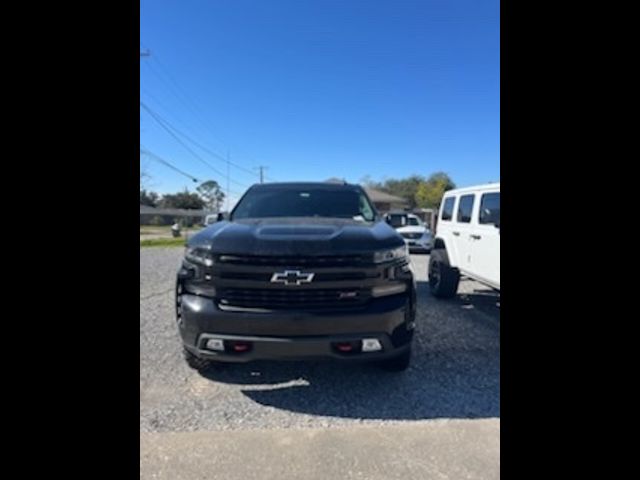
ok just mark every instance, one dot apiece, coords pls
pixel 241 347
pixel 344 347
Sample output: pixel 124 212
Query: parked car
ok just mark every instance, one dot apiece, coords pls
pixel 209 219
pixel 467 240
pixel 416 234
pixel 297 270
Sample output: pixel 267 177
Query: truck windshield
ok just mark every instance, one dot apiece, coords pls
pixel 304 202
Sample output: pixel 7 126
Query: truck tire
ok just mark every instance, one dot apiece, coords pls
pixel 197 363
pixel 399 363
pixel 443 279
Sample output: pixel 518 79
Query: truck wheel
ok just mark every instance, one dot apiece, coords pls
pixel 197 363
pixel 443 279
pixel 399 363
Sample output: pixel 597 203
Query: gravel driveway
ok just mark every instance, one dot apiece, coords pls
pixel 455 371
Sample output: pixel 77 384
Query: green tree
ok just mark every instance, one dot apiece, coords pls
pixel 429 193
pixel 404 187
pixel 212 195
pixel 186 200
pixel 149 199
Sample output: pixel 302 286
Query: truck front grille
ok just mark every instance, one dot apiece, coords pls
pixel 301 261
pixel 260 276
pixel 411 235
pixel 291 299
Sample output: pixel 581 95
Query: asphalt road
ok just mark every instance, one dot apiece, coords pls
pixel 455 375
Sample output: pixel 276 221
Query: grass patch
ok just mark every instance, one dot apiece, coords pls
pixel 153 230
pixel 163 242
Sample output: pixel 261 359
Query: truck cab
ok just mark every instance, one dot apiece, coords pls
pixel 467 241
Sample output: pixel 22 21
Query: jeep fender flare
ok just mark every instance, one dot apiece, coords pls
pixel 440 245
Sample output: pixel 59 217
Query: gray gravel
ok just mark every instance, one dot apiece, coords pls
pixel 455 371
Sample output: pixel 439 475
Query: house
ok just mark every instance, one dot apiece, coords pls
pixel 166 216
pixel 384 201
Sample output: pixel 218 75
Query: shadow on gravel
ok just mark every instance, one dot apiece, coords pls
pixel 455 371
pixel 484 300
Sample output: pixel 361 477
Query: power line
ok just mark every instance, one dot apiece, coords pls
pixel 164 107
pixel 171 129
pixel 172 85
pixel 155 157
pixel 166 121
pixel 179 140
pixel 185 100
pixel 204 148
pixel 146 53
pixel 261 168
pixel 161 160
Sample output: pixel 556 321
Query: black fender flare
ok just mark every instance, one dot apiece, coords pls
pixel 440 245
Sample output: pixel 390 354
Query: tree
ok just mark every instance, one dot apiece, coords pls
pixel 405 188
pixel 335 180
pixel 149 199
pixel 429 193
pixel 368 182
pixel 211 194
pixel 186 200
pixel 144 176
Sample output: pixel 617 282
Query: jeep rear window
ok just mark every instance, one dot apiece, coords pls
pixel 465 208
pixel 490 208
pixel 304 202
pixel 447 209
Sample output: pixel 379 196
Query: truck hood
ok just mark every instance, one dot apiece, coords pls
pixel 297 236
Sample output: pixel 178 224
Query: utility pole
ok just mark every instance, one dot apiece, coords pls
pixel 143 53
pixel 262 168
pixel 228 190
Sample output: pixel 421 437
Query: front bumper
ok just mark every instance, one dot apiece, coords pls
pixel 295 334
pixel 419 244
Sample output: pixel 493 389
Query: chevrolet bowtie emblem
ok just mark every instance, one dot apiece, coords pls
pixel 292 277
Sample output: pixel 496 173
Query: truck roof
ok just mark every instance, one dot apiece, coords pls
pixel 285 185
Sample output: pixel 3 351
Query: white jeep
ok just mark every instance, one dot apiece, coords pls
pixel 467 240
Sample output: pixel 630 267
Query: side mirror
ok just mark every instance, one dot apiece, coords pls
pixel 221 217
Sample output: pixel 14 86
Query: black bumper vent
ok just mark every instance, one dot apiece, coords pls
pixel 292 299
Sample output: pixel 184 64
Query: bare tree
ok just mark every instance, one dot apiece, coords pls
pixel 144 176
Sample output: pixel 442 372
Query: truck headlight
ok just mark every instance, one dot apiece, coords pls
pixel 393 254
pixel 199 255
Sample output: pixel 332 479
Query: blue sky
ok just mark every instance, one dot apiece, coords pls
pixel 322 88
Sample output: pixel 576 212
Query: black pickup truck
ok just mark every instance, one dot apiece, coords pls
pixel 297 271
